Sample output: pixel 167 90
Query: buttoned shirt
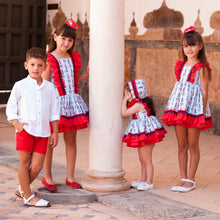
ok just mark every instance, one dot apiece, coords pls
pixel 34 104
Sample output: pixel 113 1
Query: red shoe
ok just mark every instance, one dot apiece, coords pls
pixel 73 184
pixel 49 187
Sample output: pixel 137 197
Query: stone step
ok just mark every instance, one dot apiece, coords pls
pixel 65 195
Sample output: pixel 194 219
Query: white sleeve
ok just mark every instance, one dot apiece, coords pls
pixel 54 110
pixel 12 104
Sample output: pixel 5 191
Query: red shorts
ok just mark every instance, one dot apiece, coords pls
pixel 28 142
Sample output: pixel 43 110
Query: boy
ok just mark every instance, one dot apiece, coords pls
pixel 31 107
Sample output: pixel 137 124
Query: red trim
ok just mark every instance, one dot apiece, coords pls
pixel 72 123
pixel 75 122
pixel 134 101
pixel 186 120
pixel 77 64
pixel 57 74
pixel 178 68
pixel 191 78
pixel 141 139
pixel 133 83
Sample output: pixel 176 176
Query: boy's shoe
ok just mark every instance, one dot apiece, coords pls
pixel 41 203
pixel 145 186
pixel 135 184
pixel 19 192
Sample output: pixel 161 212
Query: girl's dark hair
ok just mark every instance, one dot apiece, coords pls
pixel 191 39
pixel 150 104
pixel 65 31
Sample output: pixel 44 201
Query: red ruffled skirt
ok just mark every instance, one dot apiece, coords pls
pixel 185 119
pixel 141 139
pixel 72 123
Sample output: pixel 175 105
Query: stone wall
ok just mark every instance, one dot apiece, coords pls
pixel 154 61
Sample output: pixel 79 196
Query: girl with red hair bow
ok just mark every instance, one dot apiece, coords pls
pixel 188 108
pixel 63 68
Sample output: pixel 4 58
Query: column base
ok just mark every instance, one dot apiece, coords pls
pixel 98 181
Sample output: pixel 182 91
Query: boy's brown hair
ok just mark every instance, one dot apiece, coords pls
pixel 36 52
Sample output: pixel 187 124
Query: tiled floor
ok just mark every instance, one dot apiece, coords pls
pixel 206 195
pixel 11 207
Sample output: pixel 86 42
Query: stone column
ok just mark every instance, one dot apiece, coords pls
pixel 106 79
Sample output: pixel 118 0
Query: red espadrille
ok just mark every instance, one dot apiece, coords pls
pixel 49 187
pixel 73 184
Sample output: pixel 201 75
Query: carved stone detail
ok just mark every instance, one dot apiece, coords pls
pixel 163 18
pixel 80 30
pixel 198 24
pixel 163 24
pixel 59 17
pixel 215 24
pixel 133 30
pixel 85 28
pixel 49 28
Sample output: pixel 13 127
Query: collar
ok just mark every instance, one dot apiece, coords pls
pixel 34 82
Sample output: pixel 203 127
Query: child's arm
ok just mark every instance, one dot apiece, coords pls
pixel 18 125
pixel 84 76
pixel 129 111
pixel 12 108
pixel 46 73
pixel 204 76
pixel 54 117
pixel 54 135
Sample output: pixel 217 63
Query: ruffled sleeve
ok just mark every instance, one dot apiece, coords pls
pixel 195 68
pixel 57 75
pixel 178 68
pixel 77 64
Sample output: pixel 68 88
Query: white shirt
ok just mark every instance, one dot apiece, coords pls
pixel 33 104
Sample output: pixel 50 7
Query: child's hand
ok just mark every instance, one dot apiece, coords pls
pixel 19 126
pixel 54 140
pixel 127 95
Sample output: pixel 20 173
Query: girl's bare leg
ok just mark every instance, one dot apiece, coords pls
pixel 146 154
pixel 182 139
pixel 71 151
pixel 143 167
pixel 194 152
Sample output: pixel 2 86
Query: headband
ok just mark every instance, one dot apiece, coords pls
pixel 71 23
pixel 189 29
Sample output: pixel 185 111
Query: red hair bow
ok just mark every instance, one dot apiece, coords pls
pixel 71 23
pixel 189 29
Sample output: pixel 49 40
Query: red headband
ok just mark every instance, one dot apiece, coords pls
pixel 189 29
pixel 71 23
